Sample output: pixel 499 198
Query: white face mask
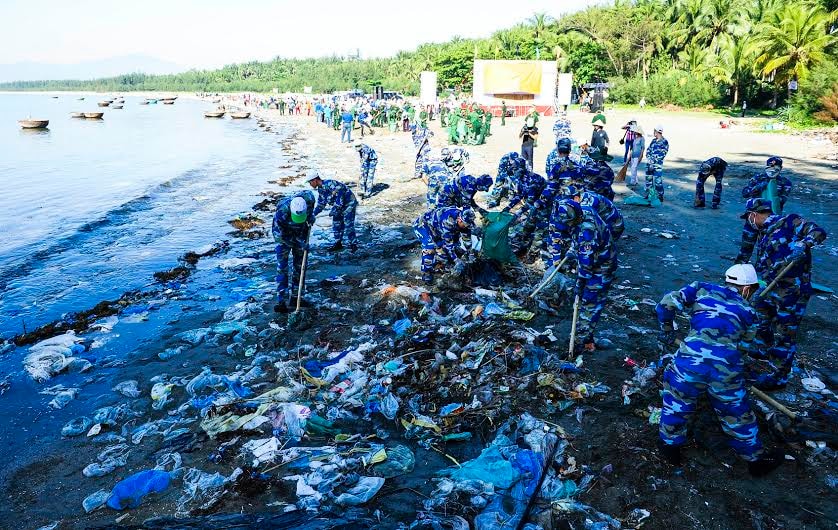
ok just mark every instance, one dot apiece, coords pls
pixel 752 220
pixel 772 171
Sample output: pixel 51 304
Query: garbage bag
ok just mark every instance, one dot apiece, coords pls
pixel 95 500
pixel 496 237
pixel 400 461
pixel 130 492
pixel 490 467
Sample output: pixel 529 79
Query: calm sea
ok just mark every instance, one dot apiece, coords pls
pixel 92 208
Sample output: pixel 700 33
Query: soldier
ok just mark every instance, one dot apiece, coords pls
pixel 599 176
pixel 655 153
pixel 503 184
pixel 503 112
pixel 604 207
pixel 369 159
pixel 710 360
pixel 422 140
pixel 560 156
pixel 487 124
pixel 456 159
pixel 460 192
pixel 439 230
pixel 423 118
pixel 758 185
pixel 713 166
pixel 592 243
pixel 436 174
pixel 453 125
pixel 344 206
pixel 529 188
pixel 781 241
pixel 561 128
pixel 291 226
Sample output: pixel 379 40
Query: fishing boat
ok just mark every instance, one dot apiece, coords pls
pixel 77 114
pixel 104 103
pixel 168 101
pixel 213 113
pixel 144 102
pixel 169 98
pixel 117 106
pixel 33 124
pixel 240 115
pixel 94 115
pixel 81 99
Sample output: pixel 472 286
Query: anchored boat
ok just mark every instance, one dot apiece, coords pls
pixel 214 114
pixel 33 124
pixel 240 115
pixel 94 115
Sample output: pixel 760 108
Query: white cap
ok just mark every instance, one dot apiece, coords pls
pixel 659 128
pixel 741 274
pixel 298 206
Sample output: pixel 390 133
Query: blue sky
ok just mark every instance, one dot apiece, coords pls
pixel 211 33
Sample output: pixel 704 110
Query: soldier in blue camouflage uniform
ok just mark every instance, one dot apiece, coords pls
pixel 439 230
pixel 437 174
pixel 780 240
pixel 592 243
pixel 561 128
pixel 369 159
pixel 422 141
pixel 598 177
pixel 713 166
pixel 456 159
pixel 710 360
pixel 344 206
pixel 503 184
pixel 558 157
pixel 291 225
pixel 460 192
pixel 528 190
pixel 757 185
pixel 655 153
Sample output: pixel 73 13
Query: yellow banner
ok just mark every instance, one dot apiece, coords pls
pixel 514 77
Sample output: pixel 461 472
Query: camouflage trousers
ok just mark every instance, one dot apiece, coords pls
pixel 429 250
pixel 684 381
pixel 592 302
pixel 365 183
pixel 537 220
pixel 501 188
pixel 699 189
pixel 282 252
pixel 344 220
pixel 654 179
pixel 780 314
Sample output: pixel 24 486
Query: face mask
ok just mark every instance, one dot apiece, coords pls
pixel 772 171
pixel 752 220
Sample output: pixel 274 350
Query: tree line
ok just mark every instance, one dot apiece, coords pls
pixel 690 53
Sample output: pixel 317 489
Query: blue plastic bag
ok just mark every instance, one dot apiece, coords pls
pixel 129 492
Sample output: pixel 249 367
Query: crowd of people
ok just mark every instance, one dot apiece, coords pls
pixel 568 218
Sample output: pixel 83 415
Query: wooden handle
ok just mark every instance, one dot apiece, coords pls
pixel 773 283
pixel 573 325
pixel 543 284
pixel 773 402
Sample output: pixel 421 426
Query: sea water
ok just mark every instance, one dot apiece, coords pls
pixel 90 209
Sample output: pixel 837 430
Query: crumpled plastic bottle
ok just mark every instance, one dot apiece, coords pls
pixel 130 492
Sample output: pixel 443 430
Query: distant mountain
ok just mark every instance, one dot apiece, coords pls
pixel 29 71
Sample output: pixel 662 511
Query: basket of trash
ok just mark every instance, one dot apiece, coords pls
pixel 496 237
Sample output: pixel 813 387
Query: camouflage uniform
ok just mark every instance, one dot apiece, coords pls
pixel 596 256
pixel 503 182
pixel 369 159
pixel 709 360
pixel 598 178
pixel 422 141
pixel 655 153
pixel 456 167
pixel 439 234
pixel 561 128
pixel 460 191
pixel 344 206
pixel 714 166
pixel 290 237
pixel 529 188
pixel 606 210
pixel 757 184
pixel 438 175
pixel 782 309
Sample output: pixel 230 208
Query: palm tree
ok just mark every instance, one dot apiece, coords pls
pixel 734 64
pixel 718 18
pixel 792 41
pixel 539 23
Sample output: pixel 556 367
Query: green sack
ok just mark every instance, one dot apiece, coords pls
pixel 770 193
pixel 496 237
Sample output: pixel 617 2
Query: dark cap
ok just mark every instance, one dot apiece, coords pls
pixel 757 205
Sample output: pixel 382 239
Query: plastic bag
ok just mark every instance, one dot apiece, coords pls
pixel 363 491
pixel 130 492
pixel 128 389
pixel 400 461
pixel 496 237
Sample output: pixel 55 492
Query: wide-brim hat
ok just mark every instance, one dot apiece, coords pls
pixel 757 205
pixel 598 122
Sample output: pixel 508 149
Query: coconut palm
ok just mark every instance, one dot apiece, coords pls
pixel 734 64
pixel 539 23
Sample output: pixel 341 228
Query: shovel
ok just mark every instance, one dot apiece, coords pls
pixel 301 319
pixel 573 327
pixel 549 278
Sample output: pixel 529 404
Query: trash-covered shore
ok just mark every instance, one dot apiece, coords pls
pixel 391 406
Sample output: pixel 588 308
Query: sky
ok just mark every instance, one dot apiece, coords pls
pixel 212 33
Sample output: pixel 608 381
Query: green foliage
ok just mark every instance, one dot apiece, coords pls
pixel 589 63
pixel 673 87
pixel 808 101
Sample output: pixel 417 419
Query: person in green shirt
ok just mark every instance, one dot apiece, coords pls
pixel 453 123
pixel 475 119
pixel 443 115
pixel 391 118
pixel 503 113
pixel 423 118
pixel 534 115
pixel 336 118
pixel 487 124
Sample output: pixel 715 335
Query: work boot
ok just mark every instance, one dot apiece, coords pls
pixel 670 453
pixel 281 308
pixel 714 206
pixel 766 463
pixel 338 245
